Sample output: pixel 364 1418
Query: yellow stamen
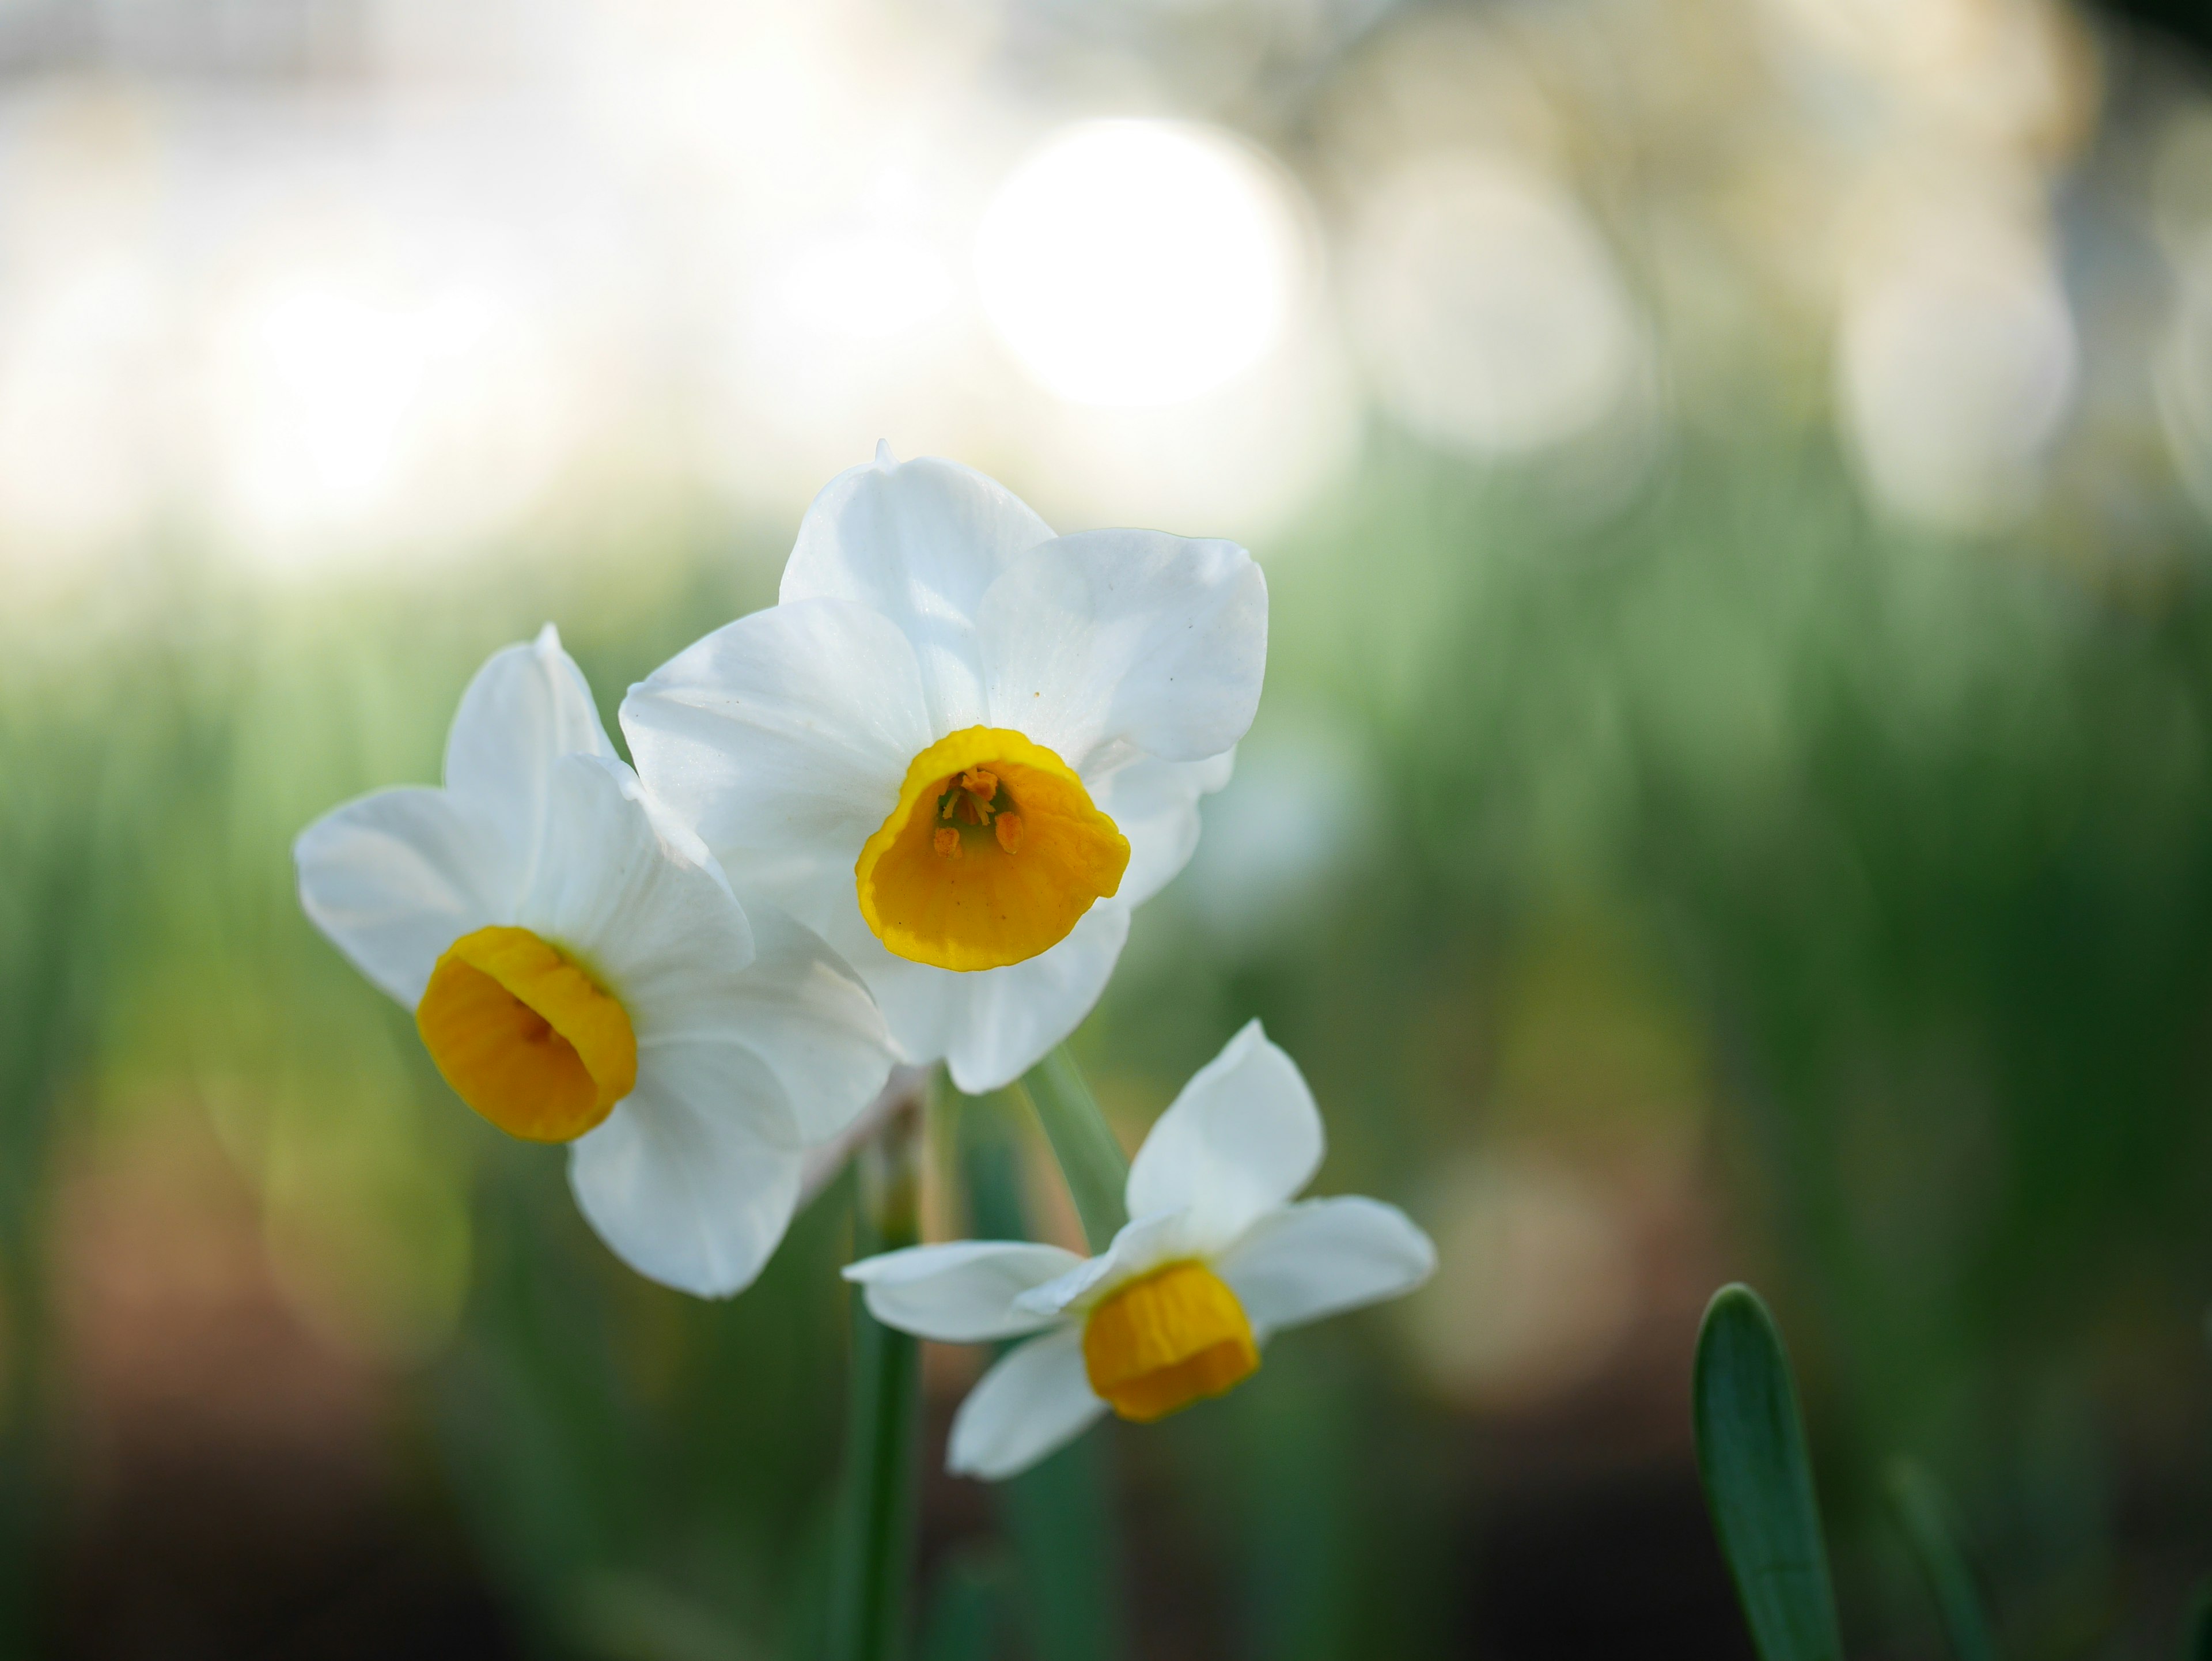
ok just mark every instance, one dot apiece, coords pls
pixel 1010 894
pixel 947 843
pixel 526 1037
pixel 1173 1338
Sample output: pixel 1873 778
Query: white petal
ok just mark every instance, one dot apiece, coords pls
pixel 1005 1019
pixel 787 732
pixel 1137 1249
pixel 963 1293
pixel 1034 1402
pixel 527 707
pixel 808 1015
pixel 396 877
pixel 1155 804
pixel 1240 1139
pixel 1107 641
pixel 693 1179
pixel 989 1025
pixel 919 542
pixel 1322 1256
pixel 823 1161
pixel 640 901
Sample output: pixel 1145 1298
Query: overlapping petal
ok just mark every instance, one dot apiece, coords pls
pixel 1138 1248
pixel 693 1177
pixel 1005 1019
pixel 1034 1400
pixel 785 733
pixel 525 710
pixel 749 1041
pixel 961 1294
pixel 809 1018
pixel 1155 804
pixel 988 1026
pixel 1324 1256
pixel 1211 1187
pixel 396 877
pixel 921 598
pixel 638 898
pixel 918 542
pixel 1109 644
pixel 1242 1138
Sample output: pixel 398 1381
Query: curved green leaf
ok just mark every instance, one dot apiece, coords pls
pixel 1759 1481
pixel 1925 1517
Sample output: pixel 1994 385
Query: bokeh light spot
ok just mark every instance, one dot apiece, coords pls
pixel 1491 314
pixel 1140 262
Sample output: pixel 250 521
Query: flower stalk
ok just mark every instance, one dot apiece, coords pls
pixel 869 1606
pixel 1058 1513
pixel 1089 1155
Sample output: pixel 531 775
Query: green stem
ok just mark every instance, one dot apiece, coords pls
pixel 1058 1513
pixel 875 1548
pixel 1091 1158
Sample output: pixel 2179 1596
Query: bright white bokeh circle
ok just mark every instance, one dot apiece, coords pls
pixel 1957 362
pixel 1140 262
pixel 1488 307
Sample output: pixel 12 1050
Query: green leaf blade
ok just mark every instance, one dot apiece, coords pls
pixel 1925 1514
pixel 1759 1481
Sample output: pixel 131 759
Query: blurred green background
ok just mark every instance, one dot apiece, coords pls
pixel 1730 799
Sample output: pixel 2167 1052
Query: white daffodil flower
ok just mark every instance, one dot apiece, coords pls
pixel 580 972
pixel 1215 1261
pixel 963 748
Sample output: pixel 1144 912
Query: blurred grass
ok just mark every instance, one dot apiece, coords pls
pixel 1880 870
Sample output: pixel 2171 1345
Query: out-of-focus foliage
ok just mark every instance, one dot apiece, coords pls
pixel 1846 892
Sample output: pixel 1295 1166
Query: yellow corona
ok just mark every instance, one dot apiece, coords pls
pixel 526 1037
pixel 993 854
pixel 1173 1338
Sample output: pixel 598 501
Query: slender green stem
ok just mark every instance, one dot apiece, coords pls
pixel 42 1033
pixel 1057 1513
pixel 868 1613
pixel 1091 1159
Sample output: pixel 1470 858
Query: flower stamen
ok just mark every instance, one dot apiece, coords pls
pixel 992 852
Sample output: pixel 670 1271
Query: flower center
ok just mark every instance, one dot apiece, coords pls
pixel 525 1037
pixel 1173 1338
pixel 993 853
